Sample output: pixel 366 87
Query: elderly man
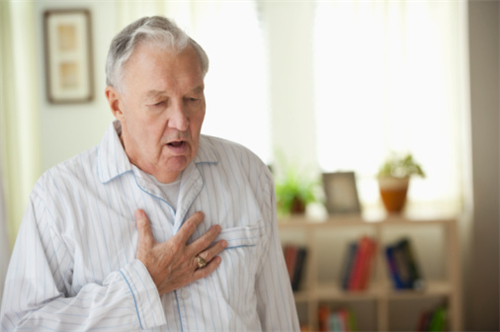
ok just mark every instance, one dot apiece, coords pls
pixel 157 227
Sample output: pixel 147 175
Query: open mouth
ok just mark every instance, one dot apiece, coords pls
pixel 177 144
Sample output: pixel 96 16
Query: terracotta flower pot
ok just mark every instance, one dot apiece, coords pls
pixel 298 206
pixel 393 192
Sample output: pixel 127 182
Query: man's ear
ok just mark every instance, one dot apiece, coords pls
pixel 114 101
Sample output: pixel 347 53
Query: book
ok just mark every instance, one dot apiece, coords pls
pixel 351 321
pixel 403 266
pixel 295 257
pixel 347 264
pixel 416 280
pixel 393 270
pixel 362 262
pixel 324 318
pixel 433 320
pixel 343 320
pixel 423 321
pixel 339 320
pixel 367 267
pixel 290 252
pixel 333 323
pixel 438 320
pixel 299 268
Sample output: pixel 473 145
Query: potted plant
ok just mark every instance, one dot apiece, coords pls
pixel 294 192
pixel 393 179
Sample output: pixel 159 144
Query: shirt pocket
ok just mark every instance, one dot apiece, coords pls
pixel 240 237
pixel 237 272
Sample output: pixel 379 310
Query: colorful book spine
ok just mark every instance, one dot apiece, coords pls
pixel 348 264
pixel 433 320
pixel 416 280
pixel 438 321
pixel 290 253
pixel 360 260
pixel 324 318
pixel 299 268
pixel 368 264
pixel 334 323
pixel 342 320
pixel 403 266
pixel 295 258
pixel 358 264
pixel 393 269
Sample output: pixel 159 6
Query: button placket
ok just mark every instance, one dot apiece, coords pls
pixel 185 294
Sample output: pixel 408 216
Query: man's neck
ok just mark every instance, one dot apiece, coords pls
pixel 160 176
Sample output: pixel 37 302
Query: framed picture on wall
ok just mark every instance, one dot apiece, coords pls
pixel 341 193
pixel 68 56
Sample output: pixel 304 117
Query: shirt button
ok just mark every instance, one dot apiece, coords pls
pixel 185 294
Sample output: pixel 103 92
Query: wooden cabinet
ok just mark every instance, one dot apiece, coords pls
pixel 326 242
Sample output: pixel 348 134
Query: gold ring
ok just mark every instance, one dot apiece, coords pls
pixel 201 262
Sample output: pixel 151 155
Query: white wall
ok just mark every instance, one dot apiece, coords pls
pixel 69 129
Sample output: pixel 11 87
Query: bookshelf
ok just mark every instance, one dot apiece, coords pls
pixel 380 294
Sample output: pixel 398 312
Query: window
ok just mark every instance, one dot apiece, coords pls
pixel 389 76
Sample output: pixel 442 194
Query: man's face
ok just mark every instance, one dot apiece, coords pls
pixel 161 107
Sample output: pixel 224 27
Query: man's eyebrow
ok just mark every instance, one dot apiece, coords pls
pixel 155 93
pixel 198 89
pixel 159 93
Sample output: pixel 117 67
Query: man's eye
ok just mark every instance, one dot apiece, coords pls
pixel 160 103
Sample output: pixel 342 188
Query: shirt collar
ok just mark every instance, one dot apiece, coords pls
pixel 113 161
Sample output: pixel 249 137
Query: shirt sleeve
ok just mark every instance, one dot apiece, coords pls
pixel 37 288
pixel 275 301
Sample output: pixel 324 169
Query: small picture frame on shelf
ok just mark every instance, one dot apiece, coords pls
pixel 68 56
pixel 341 193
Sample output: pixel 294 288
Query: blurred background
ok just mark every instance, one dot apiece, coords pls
pixel 329 86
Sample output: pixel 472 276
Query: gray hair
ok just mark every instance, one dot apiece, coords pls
pixel 156 29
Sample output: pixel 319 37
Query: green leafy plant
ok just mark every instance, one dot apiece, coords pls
pixel 294 190
pixel 400 166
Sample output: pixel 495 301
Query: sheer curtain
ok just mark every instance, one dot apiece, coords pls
pixel 391 76
pixel 4 240
pixel 19 132
pixel 237 83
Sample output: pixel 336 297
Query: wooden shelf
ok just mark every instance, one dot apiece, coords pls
pixel 357 220
pixel 332 291
pixel 380 290
pixel 432 289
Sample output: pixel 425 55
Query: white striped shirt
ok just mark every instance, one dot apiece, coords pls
pixel 74 266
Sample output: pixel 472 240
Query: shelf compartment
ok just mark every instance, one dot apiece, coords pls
pixel 332 291
pixel 302 296
pixel 433 289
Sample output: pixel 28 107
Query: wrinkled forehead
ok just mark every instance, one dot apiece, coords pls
pixel 163 69
pixel 147 51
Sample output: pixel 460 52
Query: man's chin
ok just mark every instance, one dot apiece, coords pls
pixel 175 164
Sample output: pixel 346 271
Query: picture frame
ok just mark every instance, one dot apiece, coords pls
pixel 68 56
pixel 341 193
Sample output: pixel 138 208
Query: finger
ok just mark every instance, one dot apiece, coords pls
pixel 187 229
pixel 204 241
pixel 213 251
pixel 144 228
pixel 209 268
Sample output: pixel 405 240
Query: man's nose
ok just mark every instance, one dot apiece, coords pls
pixel 178 118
